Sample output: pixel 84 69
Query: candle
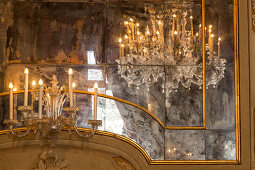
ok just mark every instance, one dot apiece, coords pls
pixel 48 105
pixel 26 88
pixel 211 44
pixel 161 33
pixel 191 23
pixel 40 98
pixel 173 25
pixel 33 84
pixel 74 96
pixel 122 50
pixel 219 47
pixel 120 40
pixel 132 28
pixel 11 100
pixel 70 72
pixel 15 102
pixel 95 102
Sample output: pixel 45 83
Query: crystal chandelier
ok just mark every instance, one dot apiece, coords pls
pixel 51 115
pixel 177 48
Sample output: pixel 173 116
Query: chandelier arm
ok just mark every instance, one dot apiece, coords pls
pixel 87 135
pixel 18 135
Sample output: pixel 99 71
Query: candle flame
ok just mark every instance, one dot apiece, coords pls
pixel 138 33
pixel 191 17
pixel 10 85
pixel 95 86
pixel 33 83
pixel 14 89
pixel 148 32
pixel 175 32
pixel 210 26
pixel 26 71
pixel 144 50
pixel 200 25
pixel 159 22
pixel 120 40
pixel 122 45
pixel 210 30
pixel 212 35
pixel 126 22
pixel 126 36
pixel 174 15
pixel 70 71
pixel 40 82
pixel 131 19
pixel 137 24
pixel 157 32
pixel 73 85
pixel 219 39
pixel 197 34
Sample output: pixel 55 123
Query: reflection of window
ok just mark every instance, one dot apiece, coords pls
pixel 108 112
pixel 91 57
pixel 95 74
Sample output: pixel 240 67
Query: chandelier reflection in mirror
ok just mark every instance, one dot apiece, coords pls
pixel 55 117
pixel 168 39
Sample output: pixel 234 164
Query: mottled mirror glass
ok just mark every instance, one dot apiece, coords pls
pixel 148 53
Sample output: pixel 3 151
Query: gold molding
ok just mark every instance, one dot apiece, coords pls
pixel 237 106
pixel 145 154
pixel 253 14
pixel 237 95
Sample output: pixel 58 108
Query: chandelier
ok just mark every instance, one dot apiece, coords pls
pixel 152 46
pixel 52 116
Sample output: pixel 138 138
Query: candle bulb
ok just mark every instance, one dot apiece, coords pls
pixel 26 88
pixel 70 72
pixel 95 101
pixel 11 100
pixel 40 98
pixel 191 23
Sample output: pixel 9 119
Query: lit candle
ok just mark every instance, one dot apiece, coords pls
pixel 219 47
pixel 11 100
pixel 33 84
pixel 26 88
pixel 191 23
pixel 211 44
pixel 70 72
pixel 74 96
pixel 40 98
pixel 120 40
pixel 173 25
pixel 122 50
pixel 15 103
pixel 132 28
pixel 95 101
